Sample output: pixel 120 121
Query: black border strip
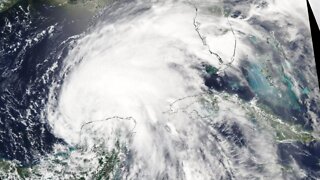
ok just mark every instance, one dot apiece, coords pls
pixel 315 33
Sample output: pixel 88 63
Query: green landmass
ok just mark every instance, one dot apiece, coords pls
pixel 7 4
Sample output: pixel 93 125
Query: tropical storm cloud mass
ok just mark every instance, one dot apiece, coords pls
pixel 143 89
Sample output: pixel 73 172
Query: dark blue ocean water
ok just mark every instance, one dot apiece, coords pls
pixel 31 37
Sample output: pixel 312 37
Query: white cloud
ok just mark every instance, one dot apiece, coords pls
pixel 135 67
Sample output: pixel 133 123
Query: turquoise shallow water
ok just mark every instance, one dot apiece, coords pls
pixel 255 117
